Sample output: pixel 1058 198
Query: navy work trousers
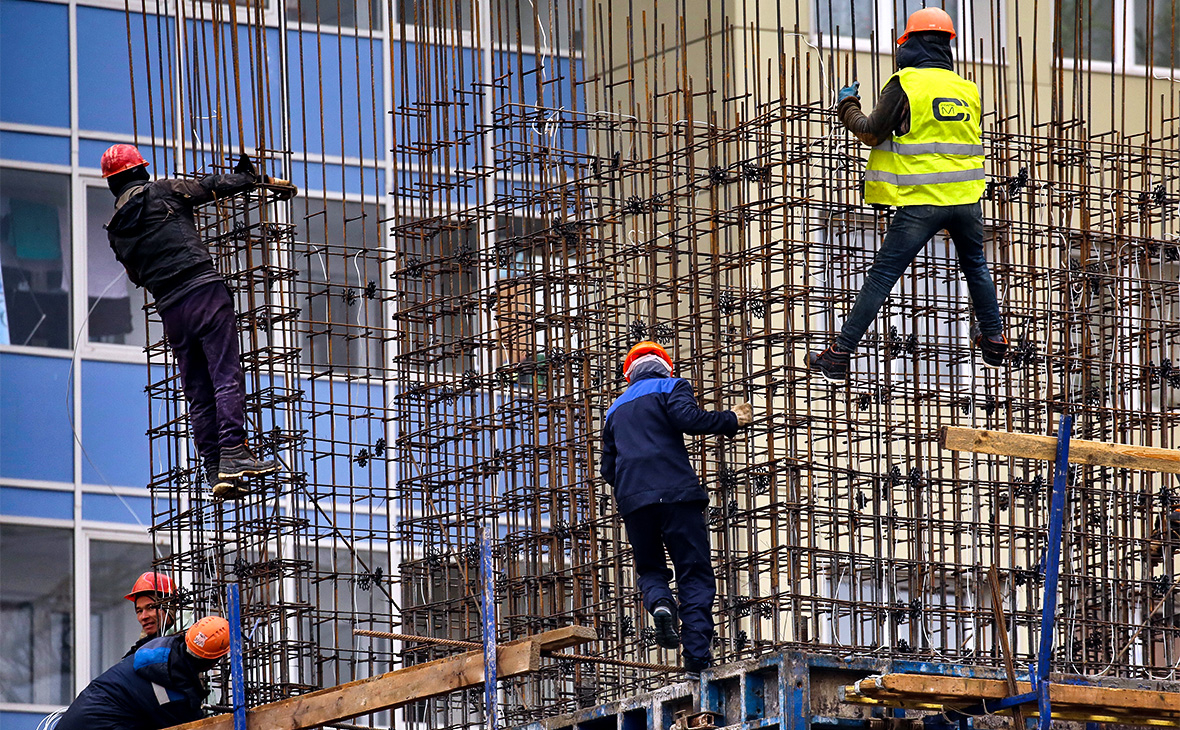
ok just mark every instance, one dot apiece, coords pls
pixel 912 227
pixel 680 527
pixel 202 331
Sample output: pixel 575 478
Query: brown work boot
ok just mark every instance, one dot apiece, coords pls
pixel 1167 529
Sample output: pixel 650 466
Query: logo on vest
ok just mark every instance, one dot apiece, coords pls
pixel 947 109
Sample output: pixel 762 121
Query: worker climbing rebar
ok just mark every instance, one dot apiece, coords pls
pixel 155 621
pixel 156 687
pixel 154 236
pixel 927 162
pixel 660 497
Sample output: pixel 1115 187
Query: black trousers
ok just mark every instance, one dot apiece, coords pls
pixel 203 333
pixel 679 528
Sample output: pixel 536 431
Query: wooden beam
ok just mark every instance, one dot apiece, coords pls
pixel 400 687
pixel 1031 446
pixel 960 690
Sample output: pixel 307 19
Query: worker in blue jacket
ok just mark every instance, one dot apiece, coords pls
pixel 661 499
pixel 156 687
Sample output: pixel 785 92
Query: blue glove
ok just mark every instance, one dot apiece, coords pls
pixel 849 92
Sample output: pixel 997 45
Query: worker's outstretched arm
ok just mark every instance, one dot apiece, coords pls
pixel 210 187
pixel 893 108
pixel 691 419
pixel 609 453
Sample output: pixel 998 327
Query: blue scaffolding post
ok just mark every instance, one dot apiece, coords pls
pixel 237 672
pixel 1052 572
pixel 488 622
pixel 1039 673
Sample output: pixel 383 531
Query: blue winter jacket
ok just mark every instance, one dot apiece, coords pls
pixel 157 687
pixel 643 453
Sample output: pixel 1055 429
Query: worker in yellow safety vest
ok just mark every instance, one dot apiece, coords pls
pixel 926 161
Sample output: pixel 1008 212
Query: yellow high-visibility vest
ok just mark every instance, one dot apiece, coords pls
pixel 940 160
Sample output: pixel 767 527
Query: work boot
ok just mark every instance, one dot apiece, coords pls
pixel 693 665
pixel 993 348
pixel 1168 527
pixel 229 489
pixel 240 461
pixel 832 364
pixel 664 614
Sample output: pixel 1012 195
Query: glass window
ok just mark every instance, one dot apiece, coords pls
pixel 361 14
pixel 1087 29
pixel 1157 33
pixel 854 19
pixel 114 305
pixel 450 14
pixel 885 20
pixel 36 615
pixel 340 284
pixel 35 258
pixel 114 566
pixel 539 24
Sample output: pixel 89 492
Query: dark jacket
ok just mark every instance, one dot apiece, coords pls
pixel 643 453
pixel 155 237
pixel 158 687
pixel 891 115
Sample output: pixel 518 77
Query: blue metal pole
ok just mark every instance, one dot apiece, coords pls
pixel 1052 569
pixel 488 620
pixel 237 672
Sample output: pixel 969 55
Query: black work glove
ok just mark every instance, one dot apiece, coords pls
pixel 246 167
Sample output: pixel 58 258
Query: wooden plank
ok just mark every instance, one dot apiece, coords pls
pixel 958 689
pixel 398 688
pixel 1001 624
pixel 1031 446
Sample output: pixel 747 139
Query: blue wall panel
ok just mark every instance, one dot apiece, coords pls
pixel 114 424
pixel 117 508
pixel 21 720
pixel 349 93
pixel 15 501
pixel 104 77
pixel 34 63
pixel 35 148
pixel 36 405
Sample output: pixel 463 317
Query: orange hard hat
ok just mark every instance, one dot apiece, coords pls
pixel 150 582
pixel 926 19
pixel 208 638
pixel 647 347
pixel 120 158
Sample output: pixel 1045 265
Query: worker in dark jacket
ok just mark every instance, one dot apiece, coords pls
pixel 157 687
pixel 155 237
pixel 927 161
pixel 660 497
pixel 149 589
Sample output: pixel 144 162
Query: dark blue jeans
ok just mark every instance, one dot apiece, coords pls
pixel 203 333
pixel 912 227
pixel 680 527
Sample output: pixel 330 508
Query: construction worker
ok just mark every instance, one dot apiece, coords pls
pixel 926 161
pixel 156 687
pixel 155 237
pixel 661 498
pixel 146 594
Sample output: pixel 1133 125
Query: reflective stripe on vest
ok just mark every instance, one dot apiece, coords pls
pixel 939 161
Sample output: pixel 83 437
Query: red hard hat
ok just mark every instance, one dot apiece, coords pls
pixel 647 347
pixel 150 583
pixel 121 157
pixel 927 19
pixel 208 638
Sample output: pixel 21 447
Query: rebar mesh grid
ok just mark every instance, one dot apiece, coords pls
pixel 566 179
